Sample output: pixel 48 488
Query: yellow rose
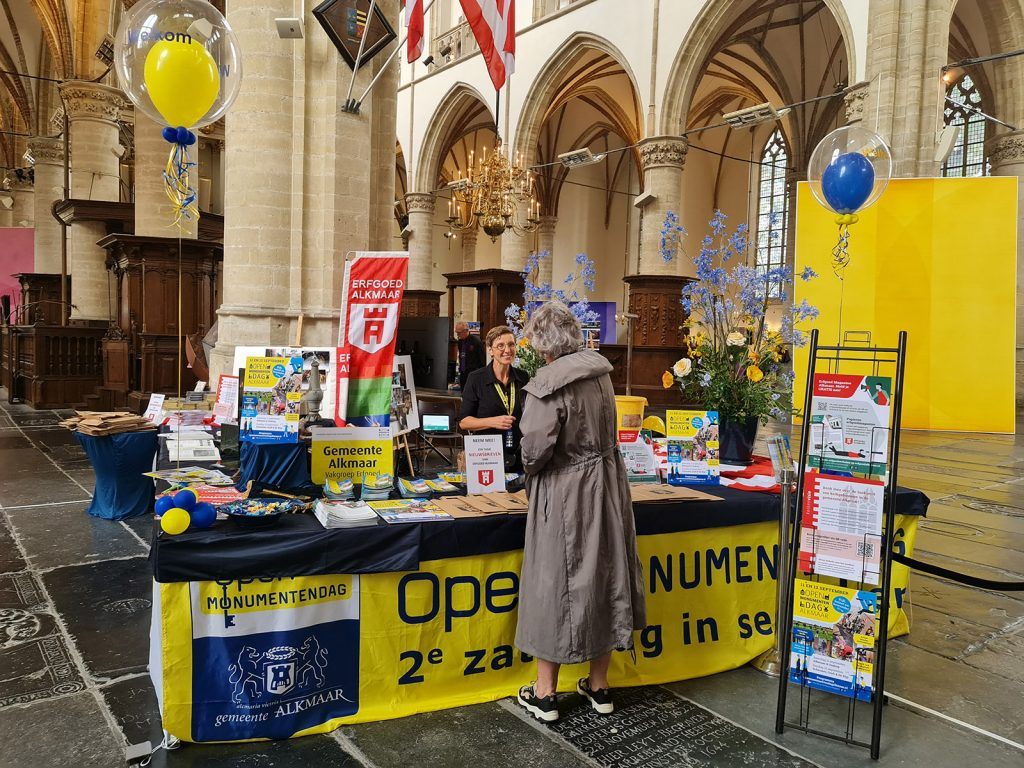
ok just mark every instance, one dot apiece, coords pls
pixel 682 367
pixel 754 357
pixel 667 380
pixel 736 339
pixel 524 341
pixel 754 373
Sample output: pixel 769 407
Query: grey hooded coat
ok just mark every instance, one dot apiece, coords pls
pixel 581 592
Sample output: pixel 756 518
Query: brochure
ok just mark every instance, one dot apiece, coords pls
pixel 270 400
pixel 833 639
pixel 692 447
pixel 850 424
pixel 225 408
pixel 408 511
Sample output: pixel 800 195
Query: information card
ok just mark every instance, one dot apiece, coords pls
pixel 850 424
pixel 692 447
pixel 485 464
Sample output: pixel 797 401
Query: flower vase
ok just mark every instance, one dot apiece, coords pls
pixel 736 440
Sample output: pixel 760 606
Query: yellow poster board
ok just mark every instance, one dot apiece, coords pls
pixel 347 453
pixel 937 258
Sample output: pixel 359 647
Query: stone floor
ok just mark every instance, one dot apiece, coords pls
pixel 74 645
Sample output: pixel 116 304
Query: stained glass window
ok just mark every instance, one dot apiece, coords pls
pixel 968 155
pixel 772 205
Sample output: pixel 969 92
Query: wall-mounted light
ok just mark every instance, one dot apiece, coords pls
pixel 105 52
pixel 28 157
pixel 446 51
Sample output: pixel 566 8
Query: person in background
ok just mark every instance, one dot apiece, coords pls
pixel 471 352
pixel 581 592
pixel 492 398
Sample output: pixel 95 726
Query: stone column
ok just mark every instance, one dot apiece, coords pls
pixel 93 110
pixel 154 214
pixel 469 237
pixel 23 208
pixel 420 206
pixel 515 249
pixel 662 158
pixel 49 186
pixel 546 242
pixel 1006 154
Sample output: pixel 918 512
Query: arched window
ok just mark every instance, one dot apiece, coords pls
pixel 772 205
pixel 968 155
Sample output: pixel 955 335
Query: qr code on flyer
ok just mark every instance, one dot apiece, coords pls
pixel 865 549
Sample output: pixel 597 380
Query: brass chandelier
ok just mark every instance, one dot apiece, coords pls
pixel 490 196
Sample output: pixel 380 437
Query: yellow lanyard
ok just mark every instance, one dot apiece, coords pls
pixel 510 401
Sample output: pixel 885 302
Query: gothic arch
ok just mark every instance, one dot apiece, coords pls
pixel 690 61
pixel 460 100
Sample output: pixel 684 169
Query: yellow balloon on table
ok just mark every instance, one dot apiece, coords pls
pixel 182 81
pixel 175 521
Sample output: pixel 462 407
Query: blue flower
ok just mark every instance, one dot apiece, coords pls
pixel 808 274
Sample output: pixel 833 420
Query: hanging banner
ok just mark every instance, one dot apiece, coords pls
pixel 371 298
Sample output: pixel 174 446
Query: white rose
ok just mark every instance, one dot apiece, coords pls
pixel 736 339
pixel 682 367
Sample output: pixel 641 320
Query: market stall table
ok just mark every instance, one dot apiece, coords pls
pixel 293 629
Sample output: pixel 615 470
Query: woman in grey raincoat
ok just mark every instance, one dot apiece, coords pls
pixel 581 593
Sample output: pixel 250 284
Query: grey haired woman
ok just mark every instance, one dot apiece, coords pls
pixel 581 592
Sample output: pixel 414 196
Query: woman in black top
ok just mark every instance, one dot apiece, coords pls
pixel 492 401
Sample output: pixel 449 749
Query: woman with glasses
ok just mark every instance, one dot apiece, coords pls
pixel 492 401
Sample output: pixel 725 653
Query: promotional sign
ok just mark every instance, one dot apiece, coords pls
pixel 841 533
pixel 270 400
pixel 850 424
pixel 155 409
pixel 325 356
pixel 833 638
pixel 347 453
pixel 226 406
pixel 692 447
pixel 372 291
pixel 639 457
pixel 405 414
pixel 485 464
pixel 443 635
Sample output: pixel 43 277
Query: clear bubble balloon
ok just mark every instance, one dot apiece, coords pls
pixel 178 61
pixel 849 169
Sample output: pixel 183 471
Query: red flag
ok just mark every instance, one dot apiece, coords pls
pixel 494 26
pixel 414 21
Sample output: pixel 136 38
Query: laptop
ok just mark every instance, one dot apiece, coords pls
pixel 436 423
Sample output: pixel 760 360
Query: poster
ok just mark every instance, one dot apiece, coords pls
pixel 850 424
pixel 405 414
pixel 639 457
pixel 485 464
pixel 372 291
pixel 692 447
pixel 270 400
pixel 326 357
pixel 226 406
pixel 841 527
pixel 346 453
pixel 833 639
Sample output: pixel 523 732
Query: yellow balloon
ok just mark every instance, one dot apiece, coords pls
pixel 182 81
pixel 175 521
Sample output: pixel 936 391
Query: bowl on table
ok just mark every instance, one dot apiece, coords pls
pixel 261 511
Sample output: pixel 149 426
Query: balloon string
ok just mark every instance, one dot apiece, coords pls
pixel 176 183
pixel 840 261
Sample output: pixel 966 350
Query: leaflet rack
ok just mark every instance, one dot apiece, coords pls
pixel 829 359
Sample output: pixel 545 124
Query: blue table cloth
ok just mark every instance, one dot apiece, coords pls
pixel 278 466
pixel 119 461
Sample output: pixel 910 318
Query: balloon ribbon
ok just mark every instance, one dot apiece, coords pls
pixel 177 184
pixel 841 253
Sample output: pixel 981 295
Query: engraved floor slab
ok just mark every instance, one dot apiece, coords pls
pixel 652 727
pixel 10 556
pixel 69 731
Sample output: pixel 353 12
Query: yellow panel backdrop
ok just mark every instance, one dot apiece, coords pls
pixel 937 258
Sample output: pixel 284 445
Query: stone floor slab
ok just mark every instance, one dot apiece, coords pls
pixel 36 488
pixel 106 609
pixel 10 556
pixel 67 731
pixel 65 534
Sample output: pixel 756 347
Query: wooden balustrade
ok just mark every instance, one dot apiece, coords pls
pixel 52 366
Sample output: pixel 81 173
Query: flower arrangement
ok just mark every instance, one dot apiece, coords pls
pixel 734 362
pixel 536 293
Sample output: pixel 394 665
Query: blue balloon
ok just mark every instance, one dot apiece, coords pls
pixel 170 134
pixel 204 515
pixel 186 500
pixel 847 182
pixel 183 135
pixel 191 139
pixel 163 504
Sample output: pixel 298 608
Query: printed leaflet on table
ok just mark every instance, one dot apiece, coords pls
pixel 833 639
pixel 270 399
pixel 155 409
pixel 485 464
pixel 692 447
pixel 226 406
pixel 841 533
pixel 408 511
pixel 850 424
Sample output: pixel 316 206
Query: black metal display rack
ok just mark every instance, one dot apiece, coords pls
pixel 829 359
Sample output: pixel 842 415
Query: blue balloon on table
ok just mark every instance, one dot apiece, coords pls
pixel 204 515
pixel 163 505
pixel 186 499
pixel 847 182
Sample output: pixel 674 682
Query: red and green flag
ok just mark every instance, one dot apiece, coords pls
pixel 371 299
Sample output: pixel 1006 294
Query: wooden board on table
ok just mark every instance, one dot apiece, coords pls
pixel 456 506
pixel 656 492
pixel 513 503
pixel 486 504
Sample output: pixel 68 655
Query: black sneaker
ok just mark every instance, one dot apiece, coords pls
pixel 545 709
pixel 600 700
